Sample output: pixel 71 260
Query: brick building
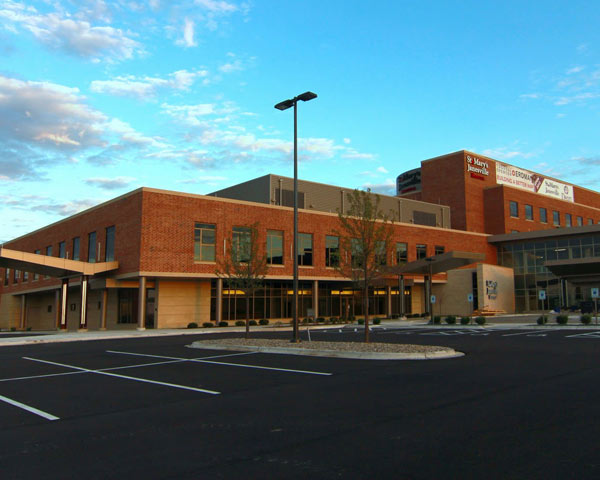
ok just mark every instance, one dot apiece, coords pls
pixel 149 258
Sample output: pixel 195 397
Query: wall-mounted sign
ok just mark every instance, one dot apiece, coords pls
pixel 595 293
pixel 542 294
pixel 432 298
pixel 533 182
pixel 491 289
pixel 470 298
pixel 478 168
pixel 408 182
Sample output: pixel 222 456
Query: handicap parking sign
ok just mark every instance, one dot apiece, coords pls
pixel 595 292
pixel 470 298
pixel 542 294
pixel 433 299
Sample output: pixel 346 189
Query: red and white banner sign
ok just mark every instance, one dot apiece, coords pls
pixel 533 182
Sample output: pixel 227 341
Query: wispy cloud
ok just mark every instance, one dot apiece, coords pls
pixel 110 183
pixel 187 35
pixel 506 153
pixel 388 187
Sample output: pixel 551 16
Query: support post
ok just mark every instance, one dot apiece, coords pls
pixel 388 302
pixel 57 308
pixel 23 319
pixel 401 295
pixel 64 293
pixel 83 309
pixel 104 309
pixel 316 298
pixel 219 305
pixel 142 304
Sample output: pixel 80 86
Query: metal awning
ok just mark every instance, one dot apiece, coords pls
pixel 439 263
pixel 576 270
pixel 51 266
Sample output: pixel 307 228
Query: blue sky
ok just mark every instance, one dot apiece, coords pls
pixel 100 97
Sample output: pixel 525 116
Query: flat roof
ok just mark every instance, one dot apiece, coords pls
pixel 544 234
pixel 439 263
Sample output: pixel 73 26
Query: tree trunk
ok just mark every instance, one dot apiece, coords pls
pixel 366 305
pixel 247 314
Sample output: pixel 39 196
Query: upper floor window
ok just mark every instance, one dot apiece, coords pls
pixel 25 276
pixel 109 249
pixel 401 253
pixel 590 221
pixel 35 275
pixel 62 249
pixel 579 221
pixel 421 251
pixel 543 215
pixel 242 243
pixel 49 250
pixel 16 276
pixel 305 249
pixel 204 242
pixel 274 247
pixel 332 251
pixel 555 217
pixel 76 248
pixel 380 253
pixel 439 249
pixel 92 247
pixel 6 275
pixel 528 212
pixel 514 209
pixel 568 220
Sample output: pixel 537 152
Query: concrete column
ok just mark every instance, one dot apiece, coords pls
pixel 219 299
pixel 388 302
pixel 83 309
pixel 426 285
pixel 104 309
pixel 401 295
pixel 57 311
pixel 23 312
pixel 316 298
pixel 64 293
pixel 142 304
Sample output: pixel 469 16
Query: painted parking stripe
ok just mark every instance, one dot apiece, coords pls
pixel 203 360
pixel 528 332
pixel 127 377
pixel 30 409
pixel 585 335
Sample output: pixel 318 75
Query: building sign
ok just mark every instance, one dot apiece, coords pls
pixel 478 168
pixel 491 289
pixel 408 182
pixel 533 182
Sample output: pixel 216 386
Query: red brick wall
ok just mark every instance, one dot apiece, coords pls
pixel 495 212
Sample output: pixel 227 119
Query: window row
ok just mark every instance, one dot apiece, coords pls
pixel 543 216
pixel 205 247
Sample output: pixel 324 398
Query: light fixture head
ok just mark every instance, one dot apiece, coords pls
pixel 285 104
pixel 306 96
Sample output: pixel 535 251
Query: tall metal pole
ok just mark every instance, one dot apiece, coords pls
pixel 296 338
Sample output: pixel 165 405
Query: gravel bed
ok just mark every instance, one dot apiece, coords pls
pixel 340 346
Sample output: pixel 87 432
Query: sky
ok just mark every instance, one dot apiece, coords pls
pixel 100 97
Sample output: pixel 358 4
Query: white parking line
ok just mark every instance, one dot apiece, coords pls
pixel 585 335
pixel 203 360
pixel 528 332
pixel 127 377
pixel 41 413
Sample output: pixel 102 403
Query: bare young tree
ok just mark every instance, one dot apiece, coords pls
pixel 244 265
pixel 365 237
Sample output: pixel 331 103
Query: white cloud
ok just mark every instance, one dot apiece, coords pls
pixel 382 170
pixel 388 187
pixel 187 39
pixel 530 95
pixel 146 87
pixel 110 183
pixel 505 153
pixel 59 31
pixel 217 6
pixel 579 98
pixel 576 69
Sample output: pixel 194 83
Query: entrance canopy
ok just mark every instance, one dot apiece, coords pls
pixel 439 263
pixel 51 266
pixel 576 270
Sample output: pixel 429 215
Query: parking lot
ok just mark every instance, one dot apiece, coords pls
pixel 519 405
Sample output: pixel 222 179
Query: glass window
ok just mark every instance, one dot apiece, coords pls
pixel 543 215
pixel 421 251
pixel 109 249
pixel 35 275
pixel 49 250
pixel 242 243
pixel 305 249
pixel 590 221
pixel 579 221
pixel 555 218
pixel 25 276
pixel 62 249
pixel 16 276
pixel 355 253
pixel 401 253
pixel 568 220
pixel 439 249
pixel 514 209
pixel 274 247
pixel 92 247
pixel 528 212
pixel 380 253
pixel 76 248
pixel 204 242
pixel 332 251
pixel 6 275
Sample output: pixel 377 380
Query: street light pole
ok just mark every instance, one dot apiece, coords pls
pixel 293 102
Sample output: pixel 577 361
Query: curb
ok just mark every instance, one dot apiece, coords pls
pixel 437 355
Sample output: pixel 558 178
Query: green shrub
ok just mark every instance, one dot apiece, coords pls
pixel 240 323
pixel 361 321
pixel 465 320
pixel 423 315
pixel 208 324
pixel 192 325
pixel 450 319
pixel 13 329
pixel 223 323
pixel 28 329
pixel 480 320
pixel 376 321
pixel 252 323
pixel 542 320
pixel 562 319
pixel 320 319
pixel 263 321
pixel 586 319
pixel 437 320
pixel 334 320
pixel 395 316
pixel 305 320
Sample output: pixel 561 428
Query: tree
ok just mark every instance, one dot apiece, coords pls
pixel 365 236
pixel 244 266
